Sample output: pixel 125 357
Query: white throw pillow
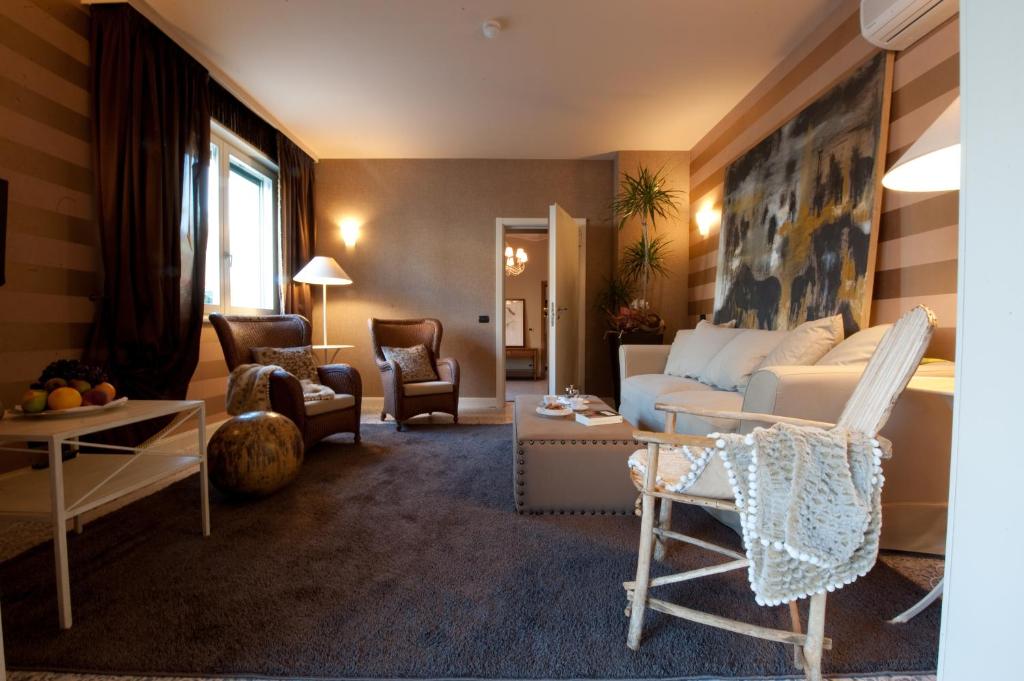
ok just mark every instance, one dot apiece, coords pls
pixel 857 349
pixel 691 353
pixel 807 343
pixel 731 367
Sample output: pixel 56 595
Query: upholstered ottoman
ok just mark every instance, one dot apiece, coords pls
pixel 561 466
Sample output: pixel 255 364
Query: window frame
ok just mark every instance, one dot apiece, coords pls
pixel 230 145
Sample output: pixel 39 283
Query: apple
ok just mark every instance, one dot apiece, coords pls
pixel 33 401
pixel 96 396
pixel 80 385
pixel 54 383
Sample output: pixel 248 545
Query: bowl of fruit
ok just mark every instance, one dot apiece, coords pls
pixel 68 387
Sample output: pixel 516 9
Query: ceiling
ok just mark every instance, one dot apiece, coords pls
pixel 564 79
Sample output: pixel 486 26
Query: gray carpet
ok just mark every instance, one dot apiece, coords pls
pixel 402 557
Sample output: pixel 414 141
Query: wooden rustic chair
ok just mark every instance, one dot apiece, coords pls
pixel 886 375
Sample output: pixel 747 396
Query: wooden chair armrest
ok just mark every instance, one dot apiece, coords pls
pixel 742 416
pixel 672 439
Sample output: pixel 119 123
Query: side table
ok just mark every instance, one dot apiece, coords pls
pixel 333 349
pixel 67 489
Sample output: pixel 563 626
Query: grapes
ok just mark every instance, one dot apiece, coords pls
pixel 72 369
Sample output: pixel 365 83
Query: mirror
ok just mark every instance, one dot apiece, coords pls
pixel 515 322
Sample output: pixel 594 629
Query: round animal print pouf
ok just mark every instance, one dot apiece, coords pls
pixel 255 454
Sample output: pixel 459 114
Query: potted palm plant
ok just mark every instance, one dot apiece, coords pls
pixel 631 319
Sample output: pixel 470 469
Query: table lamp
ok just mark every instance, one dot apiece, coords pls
pixel 326 272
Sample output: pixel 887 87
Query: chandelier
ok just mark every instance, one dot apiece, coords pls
pixel 515 261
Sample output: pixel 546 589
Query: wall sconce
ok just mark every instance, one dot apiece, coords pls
pixel 350 228
pixel 706 217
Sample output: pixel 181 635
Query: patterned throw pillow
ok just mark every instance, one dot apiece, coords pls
pixel 296 361
pixel 414 362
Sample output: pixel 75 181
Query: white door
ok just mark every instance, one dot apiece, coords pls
pixel 563 300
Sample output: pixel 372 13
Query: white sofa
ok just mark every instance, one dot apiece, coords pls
pixel 917 477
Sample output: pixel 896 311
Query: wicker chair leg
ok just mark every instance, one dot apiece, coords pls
pixel 383 416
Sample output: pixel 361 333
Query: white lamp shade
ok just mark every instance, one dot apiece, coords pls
pixel 932 163
pixel 323 270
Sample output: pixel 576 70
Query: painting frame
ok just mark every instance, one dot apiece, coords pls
pixel 515 322
pixel 802 209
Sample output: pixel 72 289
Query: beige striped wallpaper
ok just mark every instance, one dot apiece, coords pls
pixel 53 262
pixel 917 245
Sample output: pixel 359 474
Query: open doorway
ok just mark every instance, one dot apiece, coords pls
pixel 526 279
pixel 523 323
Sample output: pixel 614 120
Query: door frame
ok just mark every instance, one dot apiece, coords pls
pixel 501 227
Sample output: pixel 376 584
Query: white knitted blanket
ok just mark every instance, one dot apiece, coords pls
pixel 810 508
pixel 249 389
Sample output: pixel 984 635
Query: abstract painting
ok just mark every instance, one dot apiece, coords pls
pixel 800 211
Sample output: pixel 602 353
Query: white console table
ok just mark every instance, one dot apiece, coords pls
pixel 67 489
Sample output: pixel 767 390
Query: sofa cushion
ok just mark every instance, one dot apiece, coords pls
pixel 690 354
pixel 857 349
pixel 427 388
pixel 341 401
pixel 807 343
pixel 640 392
pixel 716 400
pixel 731 366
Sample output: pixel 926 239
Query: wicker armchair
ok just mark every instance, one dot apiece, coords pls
pixel 405 400
pixel 239 334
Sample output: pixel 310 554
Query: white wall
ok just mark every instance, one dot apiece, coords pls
pixel 981 635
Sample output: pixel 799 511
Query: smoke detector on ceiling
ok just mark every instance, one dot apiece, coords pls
pixel 491 28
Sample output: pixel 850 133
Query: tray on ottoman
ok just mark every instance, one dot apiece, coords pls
pixel 562 466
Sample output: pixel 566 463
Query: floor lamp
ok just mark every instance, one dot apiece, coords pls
pixel 931 164
pixel 326 272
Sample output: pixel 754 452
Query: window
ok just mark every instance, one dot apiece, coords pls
pixel 242 246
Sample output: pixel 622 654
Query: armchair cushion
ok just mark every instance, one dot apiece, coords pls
pixel 324 406
pixel 428 388
pixel 298 361
pixel 414 362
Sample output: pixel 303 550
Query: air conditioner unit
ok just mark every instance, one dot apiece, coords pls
pixel 898 24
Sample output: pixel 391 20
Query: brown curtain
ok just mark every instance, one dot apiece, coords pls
pixel 298 222
pixel 151 134
pixel 229 111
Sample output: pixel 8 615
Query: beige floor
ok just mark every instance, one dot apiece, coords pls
pixel 18 536
pixel 514 388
